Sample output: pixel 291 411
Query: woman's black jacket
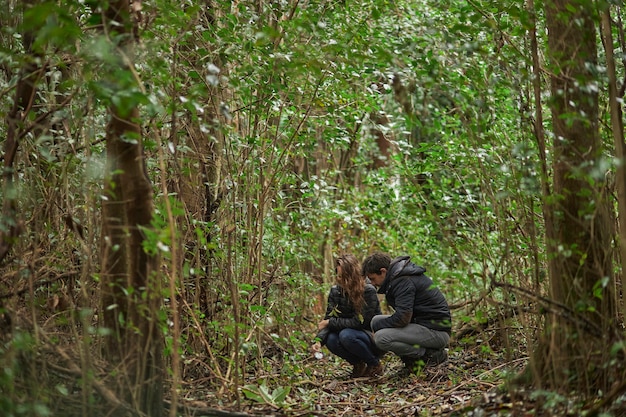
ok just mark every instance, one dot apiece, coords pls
pixel 413 297
pixel 341 315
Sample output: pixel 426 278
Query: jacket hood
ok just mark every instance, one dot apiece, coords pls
pixel 398 268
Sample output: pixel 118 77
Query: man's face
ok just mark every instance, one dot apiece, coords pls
pixel 377 279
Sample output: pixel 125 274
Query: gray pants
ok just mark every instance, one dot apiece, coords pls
pixel 411 340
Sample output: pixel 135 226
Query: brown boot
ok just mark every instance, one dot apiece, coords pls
pixel 374 370
pixel 358 370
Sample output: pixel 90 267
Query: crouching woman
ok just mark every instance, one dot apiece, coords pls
pixel 345 329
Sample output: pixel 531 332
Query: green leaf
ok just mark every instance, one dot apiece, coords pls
pixel 279 395
pixel 252 393
pixel 261 394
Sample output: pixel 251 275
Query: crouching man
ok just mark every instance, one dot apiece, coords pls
pixel 419 329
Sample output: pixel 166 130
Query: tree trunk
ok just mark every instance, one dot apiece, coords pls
pixel 130 284
pixel 10 225
pixel 617 128
pixel 574 347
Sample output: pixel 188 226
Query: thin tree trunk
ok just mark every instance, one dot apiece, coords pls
pixel 617 127
pixel 550 234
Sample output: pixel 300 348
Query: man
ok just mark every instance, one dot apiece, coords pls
pixel 419 329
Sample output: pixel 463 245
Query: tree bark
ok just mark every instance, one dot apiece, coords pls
pixel 617 128
pixel 130 284
pixel 10 225
pixel 581 278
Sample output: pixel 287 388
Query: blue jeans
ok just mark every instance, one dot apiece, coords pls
pixel 353 345
pixel 411 340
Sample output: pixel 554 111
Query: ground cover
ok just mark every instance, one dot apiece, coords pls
pixel 472 382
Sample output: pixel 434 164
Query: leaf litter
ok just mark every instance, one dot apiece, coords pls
pixel 471 383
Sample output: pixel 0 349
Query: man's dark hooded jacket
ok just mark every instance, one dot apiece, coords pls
pixel 413 297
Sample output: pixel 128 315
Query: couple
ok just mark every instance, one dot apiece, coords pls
pixel 418 331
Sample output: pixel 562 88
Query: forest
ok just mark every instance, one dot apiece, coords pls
pixel 180 177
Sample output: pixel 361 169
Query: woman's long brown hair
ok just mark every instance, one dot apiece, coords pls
pixel 351 280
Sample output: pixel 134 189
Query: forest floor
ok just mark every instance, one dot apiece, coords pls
pixel 287 381
pixel 470 383
pixel 473 382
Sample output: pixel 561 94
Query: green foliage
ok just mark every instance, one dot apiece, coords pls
pixel 266 117
pixel 16 356
pixel 261 394
pixel 54 26
pixel 158 238
pixel 302 85
pixel 551 400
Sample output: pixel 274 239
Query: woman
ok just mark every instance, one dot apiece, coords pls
pixel 345 329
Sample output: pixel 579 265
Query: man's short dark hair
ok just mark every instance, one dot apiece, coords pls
pixel 375 262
